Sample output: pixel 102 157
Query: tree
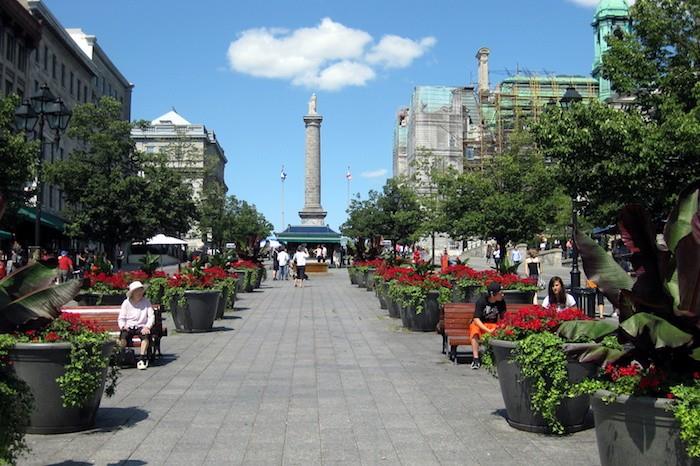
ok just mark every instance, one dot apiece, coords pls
pixel 18 161
pixel 400 212
pixel 114 193
pixel 365 220
pixel 644 152
pixel 512 199
pixel 211 212
pixel 245 226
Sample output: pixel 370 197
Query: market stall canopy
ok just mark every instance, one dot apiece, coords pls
pixel 162 239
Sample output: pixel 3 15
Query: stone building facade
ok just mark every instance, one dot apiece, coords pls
pixel 192 149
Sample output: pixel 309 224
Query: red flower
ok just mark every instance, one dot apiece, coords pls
pixel 50 337
pixel 670 396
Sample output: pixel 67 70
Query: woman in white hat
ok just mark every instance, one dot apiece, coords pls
pixel 136 317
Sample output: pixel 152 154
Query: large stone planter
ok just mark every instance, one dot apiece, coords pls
pixel 240 281
pixel 393 307
pixel 380 290
pixel 93 299
pixel 637 430
pixel 352 273
pixel 573 413
pixel 223 305
pixel 467 294
pixel 361 278
pixel 258 276
pixel 198 313
pixel 369 279
pixel 518 297
pixel 39 365
pixel 427 320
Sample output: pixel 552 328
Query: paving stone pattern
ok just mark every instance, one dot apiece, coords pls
pixel 318 375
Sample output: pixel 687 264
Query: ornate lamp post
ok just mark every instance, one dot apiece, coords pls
pixel 42 108
pixel 570 97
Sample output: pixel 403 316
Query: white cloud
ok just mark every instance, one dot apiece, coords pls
pixel 328 56
pixel 398 52
pixel 374 173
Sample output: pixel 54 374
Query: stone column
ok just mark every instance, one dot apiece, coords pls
pixel 313 213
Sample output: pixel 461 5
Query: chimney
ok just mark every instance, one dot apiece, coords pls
pixel 482 57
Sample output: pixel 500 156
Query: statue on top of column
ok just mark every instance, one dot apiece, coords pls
pixel 312 105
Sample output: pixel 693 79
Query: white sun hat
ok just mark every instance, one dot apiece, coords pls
pixel 133 286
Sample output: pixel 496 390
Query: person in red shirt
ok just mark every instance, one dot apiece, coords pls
pixel 65 267
pixel 3 270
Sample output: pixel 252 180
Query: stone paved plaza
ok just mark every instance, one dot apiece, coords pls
pixel 318 375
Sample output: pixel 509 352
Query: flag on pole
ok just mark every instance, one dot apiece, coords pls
pixel 283 174
pixel 348 175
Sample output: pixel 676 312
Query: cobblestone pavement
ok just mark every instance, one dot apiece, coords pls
pixel 318 375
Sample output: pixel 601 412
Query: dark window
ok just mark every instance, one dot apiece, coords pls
pixel 53 66
pixel 46 58
pixel 63 74
pixel 22 58
pixel 60 200
pixel 71 83
pixel 85 94
pixel 78 91
pixel 36 55
pixel 10 50
pixel 51 196
pixel 8 88
pixel 36 86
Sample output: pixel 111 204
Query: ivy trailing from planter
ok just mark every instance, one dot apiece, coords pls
pixel 16 403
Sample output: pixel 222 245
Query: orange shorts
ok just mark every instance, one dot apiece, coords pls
pixel 475 330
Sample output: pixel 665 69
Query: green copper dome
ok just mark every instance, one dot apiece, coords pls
pixel 607 8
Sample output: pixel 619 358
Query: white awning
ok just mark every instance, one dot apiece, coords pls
pixel 162 239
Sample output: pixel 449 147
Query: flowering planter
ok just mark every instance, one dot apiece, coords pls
pixel 240 281
pixel 573 413
pixel 634 430
pixel 352 273
pixel 39 365
pixel 468 294
pixel 369 279
pixel 425 321
pixel 94 299
pixel 222 305
pixel 198 313
pixel 518 297
pixel 248 280
pixel 361 278
pixel 393 307
pixel 380 290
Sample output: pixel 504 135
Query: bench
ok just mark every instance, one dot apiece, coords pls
pixel 457 318
pixel 105 318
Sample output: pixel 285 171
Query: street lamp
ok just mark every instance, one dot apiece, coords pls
pixel 42 108
pixel 571 97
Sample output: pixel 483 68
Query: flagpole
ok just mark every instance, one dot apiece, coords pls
pixel 349 177
pixel 283 176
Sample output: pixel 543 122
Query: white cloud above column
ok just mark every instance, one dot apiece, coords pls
pixel 329 56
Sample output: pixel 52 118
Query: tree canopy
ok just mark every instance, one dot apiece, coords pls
pixel 114 193
pixel 245 226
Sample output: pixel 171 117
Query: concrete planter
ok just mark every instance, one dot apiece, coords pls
pixel 380 290
pixel 352 273
pixel 39 365
pixel 427 320
pixel 393 307
pixel 361 278
pixel 573 413
pixel 467 294
pixel 198 313
pixel 518 297
pixel 633 430
pixel 369 279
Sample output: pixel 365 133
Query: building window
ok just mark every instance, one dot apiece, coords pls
pixel 8 87
pixel 60 152
pixel 85 93
pixel 36 86
pixel 53 66
pixel 60 200
pixel 10 50
pixel 71 83
pixel 63 74
pixel 51 197
pixel 22 58
pixel 36 55
pixel 78 91
pixel 46 58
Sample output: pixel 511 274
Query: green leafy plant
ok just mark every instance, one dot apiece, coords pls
pixel 15 407
pixel 659 310
pixel 149 263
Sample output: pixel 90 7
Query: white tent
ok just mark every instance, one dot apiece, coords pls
pixel 162 239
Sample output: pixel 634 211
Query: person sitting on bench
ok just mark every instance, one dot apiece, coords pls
pixel 136 317
pixel 488 310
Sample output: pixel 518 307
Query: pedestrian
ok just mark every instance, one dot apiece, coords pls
pixel 120 257
pixel 275 263
pixel 557 296
pixel 283 261
pixel 444 261
pixel 489 253
pixel 488 310
pixel 534 268
pixel 497 256
pixel 300 259
pixel 65 267
pixel 516 257
pixel 324 252
pixel 3 270
pixel 318 252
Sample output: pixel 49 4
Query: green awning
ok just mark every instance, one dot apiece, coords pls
pixel 47 219
pixel 309 234
pixel 308 239
pixel 5 234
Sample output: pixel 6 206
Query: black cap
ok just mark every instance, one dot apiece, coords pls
pixel 493 288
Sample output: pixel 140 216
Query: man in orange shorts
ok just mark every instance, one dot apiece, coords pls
pixel 488 310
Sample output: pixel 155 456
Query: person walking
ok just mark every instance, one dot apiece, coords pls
pixel 275 263
pixel 300 259
pixel 534 268
pixel 516 257
pixel 65 267
pixel 497 256
pixel 283 261
pixel 120 257
pixel 489 253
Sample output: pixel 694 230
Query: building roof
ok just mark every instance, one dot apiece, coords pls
pixel 608 8
pixel 171 118
pixel 309 234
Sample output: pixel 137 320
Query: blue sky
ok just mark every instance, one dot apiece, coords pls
pixel 247 69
